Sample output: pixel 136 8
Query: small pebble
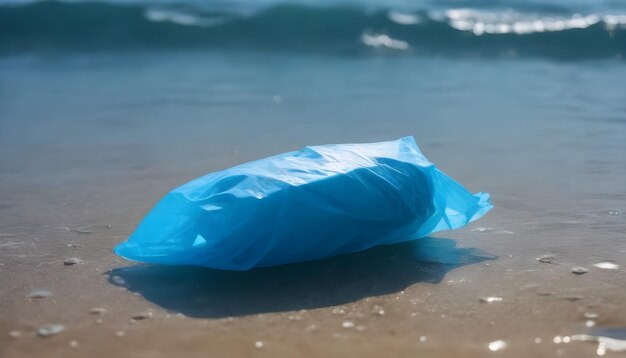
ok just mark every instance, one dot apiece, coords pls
pixel 490 299
pixel 338 311
pixel 572 298
pixel 546 259
pixel 39 294
pixel 142 316
pixel 98 311
pixel 482 229
pixel 591 315
pixel 15 334
pixel 538 340
pixel 378 310
pixel 89 229
pixel 607 265
pixel 73 343
pixel 497 345
pixel 579 270
pixel 347 324
pixel 98 321
pixel 83 231
pixel 50 330
pixel 423 339
pixel 120 333
pixel 258 344
pixel 71 261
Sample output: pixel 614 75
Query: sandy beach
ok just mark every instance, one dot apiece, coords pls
pixel 81 162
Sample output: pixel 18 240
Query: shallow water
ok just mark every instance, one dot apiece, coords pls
pixel 89 143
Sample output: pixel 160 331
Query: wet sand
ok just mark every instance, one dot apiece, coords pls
pixel 80 169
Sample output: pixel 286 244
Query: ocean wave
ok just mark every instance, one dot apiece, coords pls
pixel 89 26
pixel 509 21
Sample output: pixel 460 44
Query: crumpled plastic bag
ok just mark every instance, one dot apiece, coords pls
pixel 310 204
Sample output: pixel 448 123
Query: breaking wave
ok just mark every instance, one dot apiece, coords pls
pixel 93 26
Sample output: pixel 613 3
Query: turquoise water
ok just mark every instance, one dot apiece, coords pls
pixel 555 29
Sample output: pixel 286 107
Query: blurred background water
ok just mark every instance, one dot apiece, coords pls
pixel 507 28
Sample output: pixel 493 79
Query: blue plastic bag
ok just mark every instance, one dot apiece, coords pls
pixel 318 202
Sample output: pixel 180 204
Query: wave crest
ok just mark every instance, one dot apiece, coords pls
pixel 80 26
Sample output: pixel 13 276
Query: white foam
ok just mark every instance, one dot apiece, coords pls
pixel 382 40
pixel 179 18
pixel 402 18
pixel 505 22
